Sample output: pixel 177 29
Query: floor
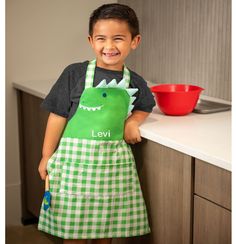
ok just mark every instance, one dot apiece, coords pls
pixel 29 234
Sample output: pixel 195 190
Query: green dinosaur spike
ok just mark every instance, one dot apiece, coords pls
pixel 102 84
pixel 112 84
pixel 132 91
pixel 122 84
pixel 130 108
pixel 132 99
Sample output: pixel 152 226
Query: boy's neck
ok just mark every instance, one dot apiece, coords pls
pixel 110 67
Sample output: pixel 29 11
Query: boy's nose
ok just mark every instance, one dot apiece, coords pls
pixel 109 44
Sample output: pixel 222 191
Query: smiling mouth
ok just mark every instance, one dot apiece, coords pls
pixel 90 108
pixel 112 54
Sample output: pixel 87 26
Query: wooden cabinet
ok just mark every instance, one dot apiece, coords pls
pixel 213 183
pixel 165 176
pixel 32 124
pixel 212 223
pixel 212 204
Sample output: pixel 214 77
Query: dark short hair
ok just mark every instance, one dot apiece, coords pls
pixel 115 11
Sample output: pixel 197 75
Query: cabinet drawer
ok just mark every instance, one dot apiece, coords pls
pixel 212 223
pixel 213 183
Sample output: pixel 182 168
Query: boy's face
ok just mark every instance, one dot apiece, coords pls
pixel 112 42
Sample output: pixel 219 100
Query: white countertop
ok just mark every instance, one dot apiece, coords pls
pixel 203 136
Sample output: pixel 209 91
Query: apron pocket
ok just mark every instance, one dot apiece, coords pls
pixel 54 172
pixel 54 163
pixel 51 164
pixel 92 180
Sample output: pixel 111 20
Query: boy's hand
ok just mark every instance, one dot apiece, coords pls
pixel 54 129
pixel 43 167
pixel 131 132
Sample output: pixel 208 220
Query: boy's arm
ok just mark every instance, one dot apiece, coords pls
pixel 54 129
pixel 131 132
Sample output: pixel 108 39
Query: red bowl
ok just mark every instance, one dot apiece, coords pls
pixel 176 99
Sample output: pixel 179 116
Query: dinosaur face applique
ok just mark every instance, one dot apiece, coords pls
pixel 102 112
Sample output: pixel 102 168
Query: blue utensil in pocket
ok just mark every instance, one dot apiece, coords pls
pixel 47 195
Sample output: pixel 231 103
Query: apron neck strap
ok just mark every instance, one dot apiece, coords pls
pixel 91 70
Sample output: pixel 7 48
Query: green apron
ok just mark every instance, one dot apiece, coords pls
pixel 94 184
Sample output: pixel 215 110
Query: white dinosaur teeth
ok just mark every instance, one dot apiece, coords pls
pixel 89 108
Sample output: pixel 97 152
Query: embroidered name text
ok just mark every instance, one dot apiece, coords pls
pixel 101 133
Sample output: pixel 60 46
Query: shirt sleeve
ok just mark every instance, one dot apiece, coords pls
pixel 58 99
pixel 144 99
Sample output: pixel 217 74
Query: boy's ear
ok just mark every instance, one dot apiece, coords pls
pixel 90 39
pixel 135 42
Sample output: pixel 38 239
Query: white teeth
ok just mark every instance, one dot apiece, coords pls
pixel 110 54
pixel 89 108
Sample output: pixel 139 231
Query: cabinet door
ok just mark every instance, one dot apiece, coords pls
pixel 213 183
pixel 165 177
pixel 32 124
pixel 212 223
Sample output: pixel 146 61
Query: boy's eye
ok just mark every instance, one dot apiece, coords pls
pixel 118 39
pixel 100 39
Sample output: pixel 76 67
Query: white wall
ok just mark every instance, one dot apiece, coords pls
pixel 42 37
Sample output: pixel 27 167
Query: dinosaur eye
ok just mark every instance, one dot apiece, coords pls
pixel 104 94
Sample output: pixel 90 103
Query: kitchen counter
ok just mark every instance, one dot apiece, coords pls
pixel 203 136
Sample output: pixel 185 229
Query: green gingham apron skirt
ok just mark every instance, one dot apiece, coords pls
pixel 95 189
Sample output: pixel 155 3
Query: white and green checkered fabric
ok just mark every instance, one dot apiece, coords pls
pixel 90 74
pixel 95 191
pixel 91 70
pixel 126 76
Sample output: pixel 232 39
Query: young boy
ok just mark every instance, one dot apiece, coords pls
pixel 93 180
